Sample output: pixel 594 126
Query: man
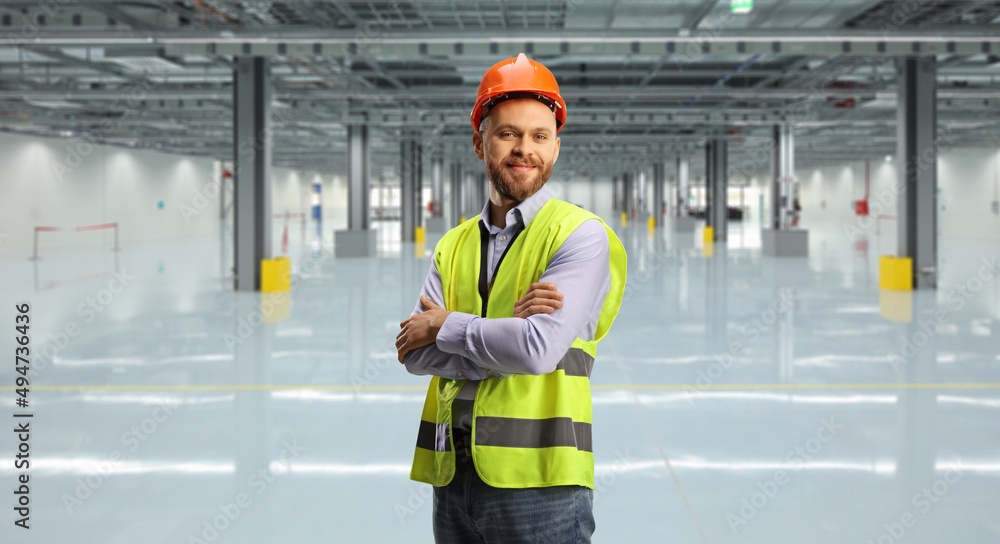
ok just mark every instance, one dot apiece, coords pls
pixel 507 323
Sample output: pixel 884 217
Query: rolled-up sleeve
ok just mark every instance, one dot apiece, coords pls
pixel 581 271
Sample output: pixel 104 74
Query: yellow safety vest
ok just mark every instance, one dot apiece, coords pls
pixel 527 431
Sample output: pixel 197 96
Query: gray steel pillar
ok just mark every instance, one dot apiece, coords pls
pixel 774 221
pixel 437 186
pixel 780 240
pixel 406 195
pixel 916 163
pixel 627 193
pixel 786 175
pixel 457 192
pixel 616 202
pixel 358 240
pixel 716 163
pixel 641 188
pixel 252 141
pixel 436 223
pixel 658 182
pixel 468 192
pixel 411 186
pixel 683 185
pixel 358 162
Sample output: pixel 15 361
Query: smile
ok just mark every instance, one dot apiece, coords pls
pixel 521 167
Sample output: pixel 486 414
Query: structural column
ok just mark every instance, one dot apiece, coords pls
pixel 640 193
pixel 658 171
pixel 358 240
pixel 627 196
pixel 916 163
pixel 683 185
pixel 783 182
pixel 780 239
pixel 456 192
pixel 777 173
pixel 615 194
pixel 682 222
pixel 716 164
pixel 436 221
pixel 252 141
pixel 411 187
pixel 468 193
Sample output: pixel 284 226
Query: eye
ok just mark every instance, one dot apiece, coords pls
pixel 508 133
pixel 540 136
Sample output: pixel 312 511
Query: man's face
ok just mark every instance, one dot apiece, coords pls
pixel 519 146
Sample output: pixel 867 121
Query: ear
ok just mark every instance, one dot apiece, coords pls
pixel 477 145
pixel 555 156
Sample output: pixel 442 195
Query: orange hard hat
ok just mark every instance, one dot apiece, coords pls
pixel 518 77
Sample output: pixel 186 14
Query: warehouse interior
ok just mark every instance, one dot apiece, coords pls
pixel 773 375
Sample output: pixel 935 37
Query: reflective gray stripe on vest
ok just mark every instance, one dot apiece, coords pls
pixel 510 432
pixel 576 362
pixel 432 436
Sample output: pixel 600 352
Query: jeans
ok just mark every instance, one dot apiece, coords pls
pixel 469 511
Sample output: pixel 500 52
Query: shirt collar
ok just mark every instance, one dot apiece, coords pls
pixel 523 212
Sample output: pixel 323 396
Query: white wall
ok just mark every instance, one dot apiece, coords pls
pixel 71 183
pixel 966 182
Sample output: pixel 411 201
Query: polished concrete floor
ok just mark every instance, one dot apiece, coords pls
pixel 737 399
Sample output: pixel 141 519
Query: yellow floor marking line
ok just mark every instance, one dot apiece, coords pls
pixel 423 388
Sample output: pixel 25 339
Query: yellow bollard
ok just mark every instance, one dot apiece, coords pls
pixel 275 274
pixel 895 273
pixel 652 222
pixel 624 219
pixel 708 235
pixel 461 220
pixel 420 234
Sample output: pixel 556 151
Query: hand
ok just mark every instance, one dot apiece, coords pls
pixel 541 298
pixel 420 330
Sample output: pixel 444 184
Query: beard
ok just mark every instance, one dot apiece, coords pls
pixel 517 186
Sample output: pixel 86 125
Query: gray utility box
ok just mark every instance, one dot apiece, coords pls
pixel 354 243
pixel 685 224
pixel 785 243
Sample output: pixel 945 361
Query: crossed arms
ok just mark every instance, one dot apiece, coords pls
pixel 564 304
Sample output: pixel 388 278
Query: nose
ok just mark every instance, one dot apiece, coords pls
pixel 521 147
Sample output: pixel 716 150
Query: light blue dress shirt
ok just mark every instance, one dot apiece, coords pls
pixel 474 348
